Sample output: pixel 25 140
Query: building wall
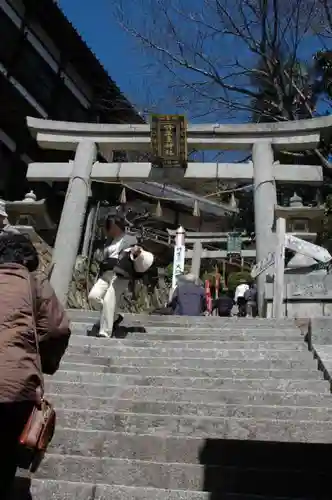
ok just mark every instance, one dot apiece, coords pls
pixel 37 78
pixel 37 68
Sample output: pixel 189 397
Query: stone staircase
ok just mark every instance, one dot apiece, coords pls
pixel 191 409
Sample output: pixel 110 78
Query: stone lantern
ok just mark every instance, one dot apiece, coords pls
pixel 303 221
pixel 30 217
pixel 29 212
pixel 307 285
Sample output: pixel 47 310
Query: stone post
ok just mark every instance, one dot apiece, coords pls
pixel 279 266
pixel 88 231
pixel 265 199
pixel 72 219
pixel 196 260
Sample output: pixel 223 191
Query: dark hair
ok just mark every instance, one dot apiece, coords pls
pixel 117 220
pixel 18 249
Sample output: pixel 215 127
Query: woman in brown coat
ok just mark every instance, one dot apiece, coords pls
pixel 27 301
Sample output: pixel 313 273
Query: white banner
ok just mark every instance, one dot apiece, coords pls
pixel 178 263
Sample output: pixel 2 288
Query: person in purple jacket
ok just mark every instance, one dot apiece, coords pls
pixel 188 298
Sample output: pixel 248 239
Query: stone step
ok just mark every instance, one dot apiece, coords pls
pixel 183 425
pixel 72 402
pixel 200 396
pixel 203 363
pixel 324 357
pixel 61 490
pixel 91 316
pixel 116 351
pixel 207 321
pixel 326 366
pixel 203 336
pixel 199 324
pixel 203 330
pixel 295 374
pixel 235 384
pixel 216 479
pixel 322 352
pixel 272 442
pixel 200 345
pixel 81 328
pixel 191 404
pixel 47 489
pixel 324 349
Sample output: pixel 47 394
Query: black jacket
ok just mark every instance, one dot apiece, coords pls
pixel 223 304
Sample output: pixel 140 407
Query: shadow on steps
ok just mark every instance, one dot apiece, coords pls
pixel 267 469
pixel 252 470
pixel 122 331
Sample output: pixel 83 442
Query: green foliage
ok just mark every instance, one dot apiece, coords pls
pixel 169 271
pixel 209 275
pixel 235 278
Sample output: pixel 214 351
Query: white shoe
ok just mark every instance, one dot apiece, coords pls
pixel 104 335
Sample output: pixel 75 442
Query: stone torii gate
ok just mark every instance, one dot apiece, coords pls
pixel 85 138
pixel 198 239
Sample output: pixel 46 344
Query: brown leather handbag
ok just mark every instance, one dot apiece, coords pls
pixel 38 433
pixel 39 429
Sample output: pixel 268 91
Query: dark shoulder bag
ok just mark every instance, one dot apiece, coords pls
pixel 39 429
pixel 125 267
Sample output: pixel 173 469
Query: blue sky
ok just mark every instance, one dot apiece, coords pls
pixel 123 58
pixel 96 23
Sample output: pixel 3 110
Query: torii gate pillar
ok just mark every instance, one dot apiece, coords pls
pixel 72 219
pixel 265 198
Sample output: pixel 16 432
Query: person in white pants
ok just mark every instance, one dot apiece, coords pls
pixel 106 292
pixel 106 295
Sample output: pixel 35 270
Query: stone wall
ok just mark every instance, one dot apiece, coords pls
pixel 321 331
pixel 45 255
pixel 305 296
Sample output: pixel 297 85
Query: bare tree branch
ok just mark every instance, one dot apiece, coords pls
pixel 216 39
pixel 233 60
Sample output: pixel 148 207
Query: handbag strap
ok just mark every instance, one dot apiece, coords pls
pixel 50 270
pixel 33 298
